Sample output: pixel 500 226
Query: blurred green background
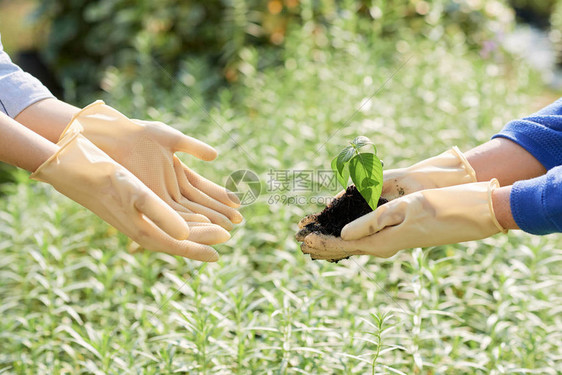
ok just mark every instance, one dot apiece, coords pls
pixel 81 40
pixel 281 85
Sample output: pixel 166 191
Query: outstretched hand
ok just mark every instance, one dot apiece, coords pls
pixel 87 175
pixel 147 148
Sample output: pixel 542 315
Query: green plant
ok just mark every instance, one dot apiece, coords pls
pixel 379 329
pixel 67 282
pixel 81 42
pixel 364 168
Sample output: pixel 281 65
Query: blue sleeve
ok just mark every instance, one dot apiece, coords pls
pixel 539 133
pixel 18 89
pixel 536 204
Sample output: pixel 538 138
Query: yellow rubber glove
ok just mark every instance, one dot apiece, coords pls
pixel 87 175
pixel 147 148
pixel 426 218
pixel 447 169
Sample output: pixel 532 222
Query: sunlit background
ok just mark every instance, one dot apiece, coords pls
pixel 281 85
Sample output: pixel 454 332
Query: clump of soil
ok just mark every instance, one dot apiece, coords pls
pixel 341 211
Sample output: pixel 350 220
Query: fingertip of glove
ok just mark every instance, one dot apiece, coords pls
pixel 361 227
pixel 177 228
pixel 226 224
pixel 210 154
pixel 307 220
pixel 314 240
pixel 237 218
pixel 194 218
pixel 225 235
pixel 301 234
pixel 210 256
pixel 315 254
pixel 347 233
pixel 195 147
pixel 134 248
pixel 306 249
pixel 181 232
pixel 233 198
pixel 196 251
pixel 204 151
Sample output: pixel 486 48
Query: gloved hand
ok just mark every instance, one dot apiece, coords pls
pixel 90 177
pixel 447 169
pixel 425 218
pixel 146 149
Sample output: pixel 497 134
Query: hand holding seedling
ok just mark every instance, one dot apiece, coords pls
pixel 425 218
pixel 365 169
pixel 413 202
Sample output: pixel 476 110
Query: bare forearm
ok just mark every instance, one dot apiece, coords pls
pixel 22 147
pixel 505 160
pixel 502 207
pixel 508 162
pixel 47 117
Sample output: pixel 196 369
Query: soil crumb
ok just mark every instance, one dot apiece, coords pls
pixel 342 211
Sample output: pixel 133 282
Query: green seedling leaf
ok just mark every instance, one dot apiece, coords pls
pixel 366 173
pixel 339 165
pixel 341 171
pixel 346 154
pixel 362 141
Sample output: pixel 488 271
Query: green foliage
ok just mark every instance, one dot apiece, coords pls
pixel 380 328
pixel 75 301
pixel 6 172
pixel 86 38
pixel 364 168
pixel 556 33
pixel 536 11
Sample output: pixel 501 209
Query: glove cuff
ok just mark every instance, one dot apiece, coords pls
pixel 470 172
pixel 447 169
pixel 63 144
pixel 450 168
pixel 73 125
pixel 494 184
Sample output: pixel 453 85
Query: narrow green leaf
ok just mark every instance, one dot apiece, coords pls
pixel 366 172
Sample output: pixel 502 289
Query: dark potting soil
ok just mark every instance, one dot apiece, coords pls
pixel 342 211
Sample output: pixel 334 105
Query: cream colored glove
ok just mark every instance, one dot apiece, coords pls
pixel 90 177
pixel 426 218
pixel 147 148
pixel 447 169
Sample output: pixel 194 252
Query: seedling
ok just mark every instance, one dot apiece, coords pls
pixel 364 168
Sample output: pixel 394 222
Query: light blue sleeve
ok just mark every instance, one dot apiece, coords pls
pixel 18 89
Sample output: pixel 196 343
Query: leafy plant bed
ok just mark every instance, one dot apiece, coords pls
pixel 341 211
